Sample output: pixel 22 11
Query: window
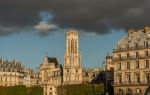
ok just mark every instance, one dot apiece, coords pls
pixel 50 93
pixel 119 66
pixel 146 45
pixel 138 92
pixel 136 45
pixel 50 88
pixel 146 53
pixel 146 63
pixel 76 78
pixel 120 92
pixel 76 71
pixel 6 79
pixel 128 55
pixel 128 46
pixel 75 46
pixel 67 78
pixel 119 56
pixel 69 46
pixel 128 65
pixel 129 92
pixel 137 78
pixel 119 79
pixel 147 77
pixel 72 46
pixel 137 54
pixel 128 78
pixel 137 64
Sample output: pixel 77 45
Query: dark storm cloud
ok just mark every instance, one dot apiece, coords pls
pixel 96 16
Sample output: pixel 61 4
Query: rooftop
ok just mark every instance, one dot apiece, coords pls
pixel 135 38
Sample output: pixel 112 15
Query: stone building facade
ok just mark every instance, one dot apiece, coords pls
pixel 72 71
pixel 13 73
pixel 131 63
pixel 109 62
pixel 51 75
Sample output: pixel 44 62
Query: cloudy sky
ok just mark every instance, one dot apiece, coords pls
pixel 30 28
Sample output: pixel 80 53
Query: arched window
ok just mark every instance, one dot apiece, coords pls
pixel 120 92
pixel 129 91
pixel 50 93
pixel 138 91
pixel 72 46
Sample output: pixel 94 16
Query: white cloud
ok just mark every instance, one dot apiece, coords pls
pixel 45 27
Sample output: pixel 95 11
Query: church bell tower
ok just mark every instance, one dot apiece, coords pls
pixel 72 72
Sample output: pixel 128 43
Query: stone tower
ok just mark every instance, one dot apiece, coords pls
pixel 72 71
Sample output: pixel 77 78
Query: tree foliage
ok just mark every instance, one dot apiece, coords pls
pixel 21 90
pixel 81 89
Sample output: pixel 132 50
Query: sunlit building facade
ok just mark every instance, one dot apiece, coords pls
pixel 13 73
pixel 131 63
pixel 72 71
pixel 50 75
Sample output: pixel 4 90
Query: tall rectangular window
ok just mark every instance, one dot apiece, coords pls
pixel 119 56
pixel 119 78
pixel 137 64
pixel 128 78
pixel 147 77
pixel 128 55
pixel 137 78
pixel 146 63
pixel 146 53
pixel 137 54
pixel 119 66
pixel 128 65
pixel 146 45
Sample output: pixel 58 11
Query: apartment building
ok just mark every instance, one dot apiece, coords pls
pixel 13 73
pixel 131 59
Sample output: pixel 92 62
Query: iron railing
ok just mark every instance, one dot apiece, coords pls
pixel 131 48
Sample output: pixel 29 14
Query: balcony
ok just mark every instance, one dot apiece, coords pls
pixel 133 57
pixel 131 48
pixel 142 83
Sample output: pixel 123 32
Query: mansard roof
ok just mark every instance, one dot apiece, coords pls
pixel 6 65
pixel 52 60
pixel 135 37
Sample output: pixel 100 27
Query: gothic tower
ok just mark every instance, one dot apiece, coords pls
pixel 72 72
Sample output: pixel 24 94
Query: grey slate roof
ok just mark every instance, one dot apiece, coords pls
pixel 6 65
pixel 52 60
pixel 136 37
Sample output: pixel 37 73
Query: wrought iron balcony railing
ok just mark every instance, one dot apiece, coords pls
pixel 131 83
pixel 133 57
pixel 131 48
